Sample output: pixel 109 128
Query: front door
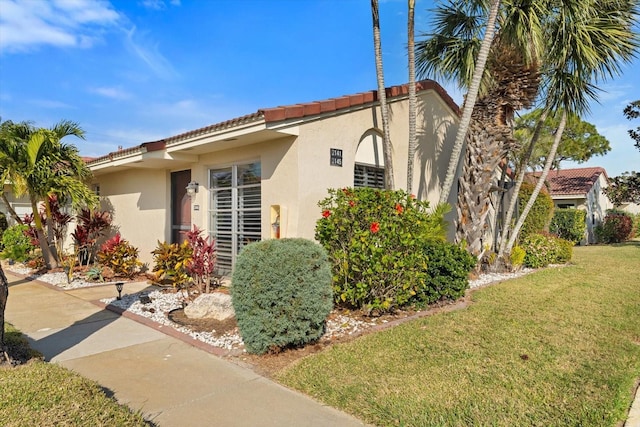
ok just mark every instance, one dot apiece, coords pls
pixel 180 206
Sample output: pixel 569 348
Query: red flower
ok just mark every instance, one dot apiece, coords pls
pixel 326 214
pixel 375 227
pixel 399 208
pixel 413 196
pixel 352 203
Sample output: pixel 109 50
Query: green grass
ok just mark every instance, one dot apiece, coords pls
pixel 45 394
pixel 560 347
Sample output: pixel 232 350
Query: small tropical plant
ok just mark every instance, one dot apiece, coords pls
pixel 202 264
pixel 516 258
pixel 91 227
pixel 94 274
pixel 170 264
pixel 120 256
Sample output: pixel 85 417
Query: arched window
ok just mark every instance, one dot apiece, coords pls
pixel 369 167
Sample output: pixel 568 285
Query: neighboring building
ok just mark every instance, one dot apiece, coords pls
pixel 261 175
pixel 581 188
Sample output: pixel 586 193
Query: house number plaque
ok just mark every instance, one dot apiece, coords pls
pixel 336 157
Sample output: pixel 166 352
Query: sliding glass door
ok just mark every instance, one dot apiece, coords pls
pixel 234 210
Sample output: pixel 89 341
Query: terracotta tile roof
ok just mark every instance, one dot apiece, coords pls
pixel 281 113
pixel 572 181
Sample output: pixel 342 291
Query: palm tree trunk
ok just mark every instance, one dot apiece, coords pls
pixel 541 181
pixel 4 295
pixel 49 261
pixel 51 242
pixel 412 94
pixel 382 97
pixel 13 213
pixel 519 180
pixel 470 101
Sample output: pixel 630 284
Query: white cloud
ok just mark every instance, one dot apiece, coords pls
pixel 27 24
pixel 158 4
pixel 149 54
pixel 111 92
pixel 49 103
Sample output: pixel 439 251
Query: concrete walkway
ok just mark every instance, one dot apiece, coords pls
pixel 171 382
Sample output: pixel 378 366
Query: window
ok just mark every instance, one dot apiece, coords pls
pixel 368 176
pixel 234 211
pixel 566 206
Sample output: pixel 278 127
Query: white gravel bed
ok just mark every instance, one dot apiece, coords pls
pixel 162 303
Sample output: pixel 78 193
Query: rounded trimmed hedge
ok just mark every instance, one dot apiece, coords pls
pixel 281 293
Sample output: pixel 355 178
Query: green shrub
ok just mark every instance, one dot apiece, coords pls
pixel 281 293
pixel 448 268
pixel 120 256
pixel 375 241
pixel 636 225
pixel 543 249
pixel 540 214
pixel 517 257
pixel 17 245
pixel 617 227
pixel 569 224
pixel 170 264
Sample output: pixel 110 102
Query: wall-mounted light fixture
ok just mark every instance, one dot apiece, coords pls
pixel 192 188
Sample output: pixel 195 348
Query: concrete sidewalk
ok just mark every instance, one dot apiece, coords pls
pixel 172 383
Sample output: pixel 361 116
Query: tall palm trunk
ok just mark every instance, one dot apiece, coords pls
pixel 4 295
pixel 540 183
pixel 382 97
pixel 470 101
pixel 412 94
pixel 49 261
pixel 13 213
pixel 519 180
pixel 51 239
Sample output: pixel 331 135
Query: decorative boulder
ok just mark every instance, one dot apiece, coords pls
pixel 215 305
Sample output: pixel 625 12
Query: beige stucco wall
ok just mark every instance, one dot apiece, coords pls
pixel 139 202
pixel 296 170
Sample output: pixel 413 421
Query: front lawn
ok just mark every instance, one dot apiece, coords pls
pixel 557 347
pixel 45 394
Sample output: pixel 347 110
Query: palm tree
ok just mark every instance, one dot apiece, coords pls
pixel 412 93
pixel 589 42
pixel 509 82
pixel 41 165
pixel 469 67
pixel 382 97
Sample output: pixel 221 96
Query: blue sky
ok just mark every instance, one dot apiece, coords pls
pixel 131 71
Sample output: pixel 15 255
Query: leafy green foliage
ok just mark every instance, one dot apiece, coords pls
pixel 580 140
pixel 120 256
pixel 17 245
pixel 624 188
pixel 448 268
pixel 632 111
pixel 617 227
pixel 377 243
pixel 517 257
pixel 281 293
pixel 569 224
pixel 94 274
pixel 543 249
pixel 170 264
pixel 541 213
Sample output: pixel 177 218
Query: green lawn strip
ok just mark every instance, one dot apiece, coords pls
pixel 45 394
pixel 557 347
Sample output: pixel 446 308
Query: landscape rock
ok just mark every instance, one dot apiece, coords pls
pixel 215 305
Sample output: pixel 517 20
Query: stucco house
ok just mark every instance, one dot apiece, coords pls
pixel 261 175
pixel 581 188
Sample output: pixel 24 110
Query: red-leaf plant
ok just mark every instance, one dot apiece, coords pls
pixel 92 225
pixel 203 260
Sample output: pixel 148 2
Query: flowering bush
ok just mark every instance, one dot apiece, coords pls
pixel 376 243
